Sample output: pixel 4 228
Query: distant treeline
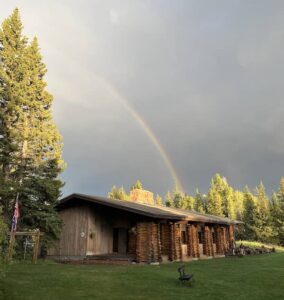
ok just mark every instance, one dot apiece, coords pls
pixel 263 215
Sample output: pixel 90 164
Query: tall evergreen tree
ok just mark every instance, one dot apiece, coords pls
pixel 199 202
pixel 228 200
pixel 277 213
pixel 169 200
pixel 249 215
pixel 137 185
pixel 215 205
pixel 118 193
pixel 220 200
pixel 159 200
pixel 264 231
pixel 30 144
pixel 178 198
pixel 188 202
pixel 239 204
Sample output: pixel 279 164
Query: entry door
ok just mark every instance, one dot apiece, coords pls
pixel 119 240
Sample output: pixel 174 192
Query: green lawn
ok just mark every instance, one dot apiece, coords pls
pixel 255 277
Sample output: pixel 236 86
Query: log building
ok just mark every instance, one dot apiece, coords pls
pixel 138 229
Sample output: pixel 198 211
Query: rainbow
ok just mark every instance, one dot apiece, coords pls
pixel 149 132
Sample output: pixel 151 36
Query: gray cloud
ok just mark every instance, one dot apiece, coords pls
pixel 207 76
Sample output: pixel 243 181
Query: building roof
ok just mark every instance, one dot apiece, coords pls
pixel 153 211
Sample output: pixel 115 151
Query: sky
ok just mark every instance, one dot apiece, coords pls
pixel 163 91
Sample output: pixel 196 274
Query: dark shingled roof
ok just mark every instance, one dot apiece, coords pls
pixel 153 211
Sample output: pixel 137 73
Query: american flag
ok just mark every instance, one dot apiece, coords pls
pixel 15 216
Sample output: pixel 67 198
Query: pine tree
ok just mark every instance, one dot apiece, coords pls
pixel 12 96
pixel 189 202
pixel 249 215
pixel 178 199
pixel 118 193
pixel 239 204
pixel 122 194
pixel 276 218
pixel 137 185
pixel 113 194
pixel 264 231
pixel 159 200
pixel 169 201
pixel 220 200
pixel 30 144
pixel 199 202
pixel 228 199
pixel 215 205
pixel 277 213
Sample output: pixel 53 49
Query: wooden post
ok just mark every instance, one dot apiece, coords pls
pixel 36 247
pixel 193 243
pixel 36 238
pixel 208 243
pixel 11 246
pixel 220 243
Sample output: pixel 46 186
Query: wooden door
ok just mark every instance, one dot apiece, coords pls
pixel 120 240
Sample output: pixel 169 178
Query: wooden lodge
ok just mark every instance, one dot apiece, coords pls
pixel 97 226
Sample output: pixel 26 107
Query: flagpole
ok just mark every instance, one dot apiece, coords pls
pixel 12 233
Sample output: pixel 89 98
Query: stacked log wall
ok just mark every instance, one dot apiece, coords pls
pixel 208 241
pixel 193 243
pixel 220 247
pixel 148 247
pixel 175 235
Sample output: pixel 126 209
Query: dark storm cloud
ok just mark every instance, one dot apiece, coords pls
pixel 207 76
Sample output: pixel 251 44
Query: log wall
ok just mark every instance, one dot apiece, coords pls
pixel 148 246
pixel 193 243
pixel 175 246
pixel 208 242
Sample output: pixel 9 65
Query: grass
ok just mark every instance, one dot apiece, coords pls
pixel 251 277
pixel 253 244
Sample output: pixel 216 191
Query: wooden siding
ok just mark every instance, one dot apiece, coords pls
pixel 73 237
pixel 100 237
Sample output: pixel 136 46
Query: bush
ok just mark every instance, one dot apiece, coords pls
pixel 3 232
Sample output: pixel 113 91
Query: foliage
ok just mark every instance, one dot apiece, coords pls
pixel 277 213
pixel 199 202
pixel 262 217
pixel 215 203
pixel 137 185
pixel 30 144
pixel 118 193
pixel 159 200
pixel 249 214
pixel 255 244
pixel 3 231
pixel 169 201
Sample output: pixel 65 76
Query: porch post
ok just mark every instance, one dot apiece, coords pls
pixel 193 243
pixel 175 253
pixel 148 246
pixel 220 247
pixel 208 242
